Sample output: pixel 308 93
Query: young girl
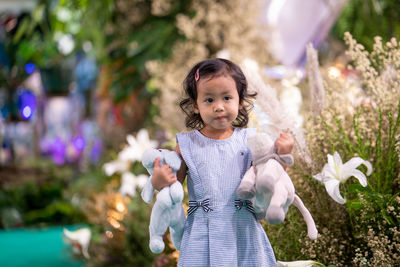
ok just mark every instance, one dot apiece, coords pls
pixel 221 229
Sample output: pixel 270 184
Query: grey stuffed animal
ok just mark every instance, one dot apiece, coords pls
pixel 269 186
pixel 167 210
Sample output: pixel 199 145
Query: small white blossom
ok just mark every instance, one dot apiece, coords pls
pixel 137 146
pixel 131 153
pixel 79 240
pixel 129 183
pixel 115 166
pixel 335 172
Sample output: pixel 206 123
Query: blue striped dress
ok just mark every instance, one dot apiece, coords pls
pixel 225 235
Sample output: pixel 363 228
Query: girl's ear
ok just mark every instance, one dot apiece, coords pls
pixel 240 106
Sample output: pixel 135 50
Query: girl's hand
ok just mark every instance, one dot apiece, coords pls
pixel 162 176
pixel 284 143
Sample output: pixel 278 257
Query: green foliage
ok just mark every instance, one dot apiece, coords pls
pixel 284 237
pixel 91 24
pixel 137 234
pixel 39 197
pixel 93 180
pixel 34 39
pixel 59 212
pixel 366 19
pixel 151 41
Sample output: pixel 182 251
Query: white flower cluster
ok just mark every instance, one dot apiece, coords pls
pixel 126 157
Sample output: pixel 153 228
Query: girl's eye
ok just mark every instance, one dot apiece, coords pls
pixel 227 98
pixel 208 100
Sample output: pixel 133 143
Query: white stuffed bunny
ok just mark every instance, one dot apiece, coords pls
pixel 167 210
pixel 271 186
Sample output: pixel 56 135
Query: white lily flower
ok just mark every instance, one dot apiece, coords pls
pixel 115 166
pixel 79 240
pixel 129 183
pixel 137 146
pixel 308 263
pixel 335 172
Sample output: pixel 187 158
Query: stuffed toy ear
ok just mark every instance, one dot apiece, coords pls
pixel 149 157
pixel 148 191
pixel 173 160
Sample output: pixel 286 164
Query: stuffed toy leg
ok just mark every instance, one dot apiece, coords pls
pixel 247 190
pixel 167 210
pixel 174 218
pixel 278 189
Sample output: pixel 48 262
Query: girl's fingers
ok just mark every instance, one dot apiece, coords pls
pixel 157 163
pixel 166 168
pixel 284 136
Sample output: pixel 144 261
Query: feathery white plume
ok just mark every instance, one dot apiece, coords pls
pixel 317 90
pixel 269 104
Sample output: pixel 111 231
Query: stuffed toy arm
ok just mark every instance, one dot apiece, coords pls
pixel 283 159
pixel 246 189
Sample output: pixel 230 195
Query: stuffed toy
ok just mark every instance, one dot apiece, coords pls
pixel 167 210
pixel 268 185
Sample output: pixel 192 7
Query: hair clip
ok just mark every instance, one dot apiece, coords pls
pixel 197 75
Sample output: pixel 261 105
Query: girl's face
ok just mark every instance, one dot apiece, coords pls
pixel 217 102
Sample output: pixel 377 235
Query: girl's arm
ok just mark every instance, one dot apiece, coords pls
pixel 181 174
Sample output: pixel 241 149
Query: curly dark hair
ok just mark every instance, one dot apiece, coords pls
pixel 211 68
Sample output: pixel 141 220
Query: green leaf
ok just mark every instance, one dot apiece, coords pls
pixel 355 204
pixel 22 29
pixel 355 188
pixel 387 218
pixel 38 13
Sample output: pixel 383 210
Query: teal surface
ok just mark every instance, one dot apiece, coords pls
pixel 35 247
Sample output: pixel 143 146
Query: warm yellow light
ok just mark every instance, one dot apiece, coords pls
pixel 333 72
pixel 120 206
pixel 114 223
pixel 109 234
pixel 116 215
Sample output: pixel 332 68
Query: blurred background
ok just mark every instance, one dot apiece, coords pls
pixel 87 85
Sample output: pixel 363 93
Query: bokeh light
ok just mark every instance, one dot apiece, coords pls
pixel 79 143
pixel 29 68
pixel 26 104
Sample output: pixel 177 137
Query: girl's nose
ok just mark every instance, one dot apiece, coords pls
pixel 218 107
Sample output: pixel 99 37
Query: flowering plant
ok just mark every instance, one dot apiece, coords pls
pixel 354 122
